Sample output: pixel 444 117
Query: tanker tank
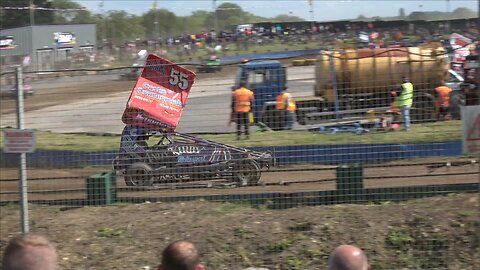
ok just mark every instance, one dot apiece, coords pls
pixel 364 78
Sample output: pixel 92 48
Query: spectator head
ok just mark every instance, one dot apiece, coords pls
pixel 405 79
pixel 29 252
pixel 243 84
pixel 347 257
pixel 181 255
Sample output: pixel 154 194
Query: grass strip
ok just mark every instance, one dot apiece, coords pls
pixel 420 133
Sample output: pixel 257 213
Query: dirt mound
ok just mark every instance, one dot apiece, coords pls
pixel 440 232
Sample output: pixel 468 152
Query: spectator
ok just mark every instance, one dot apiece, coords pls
pixel 181 255
pixel 29 252
pixel 347 257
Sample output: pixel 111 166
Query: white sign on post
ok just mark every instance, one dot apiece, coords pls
pixel 471 129
pixel 19 140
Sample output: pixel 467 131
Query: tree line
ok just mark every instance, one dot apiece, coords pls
pixel 118 26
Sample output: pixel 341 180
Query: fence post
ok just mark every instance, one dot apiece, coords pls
pixel 334 84
pixel 22 156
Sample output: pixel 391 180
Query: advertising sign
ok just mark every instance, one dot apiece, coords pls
pixel 363 37
pixel 7 43
pixel 461 45
pixel 471 129
pixel 159 96
pixel 18 140
pixel 64 38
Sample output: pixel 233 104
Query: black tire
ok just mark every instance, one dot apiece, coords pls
pixel 139 174
pixel 247 172
pixel 457 99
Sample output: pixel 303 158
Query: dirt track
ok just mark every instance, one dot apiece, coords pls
pixel 70 183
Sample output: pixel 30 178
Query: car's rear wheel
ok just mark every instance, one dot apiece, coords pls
pixel 247 172
pixel 139 174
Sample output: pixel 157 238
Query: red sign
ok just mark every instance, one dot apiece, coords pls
pixel 159 96
pixel 19 141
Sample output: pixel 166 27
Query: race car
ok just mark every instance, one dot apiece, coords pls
pixel 211 65
pixel 178 157
pixel 12 91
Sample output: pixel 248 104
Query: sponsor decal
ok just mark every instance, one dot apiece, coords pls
pixel 159 96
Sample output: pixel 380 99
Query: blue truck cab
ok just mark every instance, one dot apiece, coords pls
pixel 265 78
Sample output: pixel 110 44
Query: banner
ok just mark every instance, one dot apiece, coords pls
pixel 64 38
pixel 471 129
pixel 159 96
pixel 364 37
pixel 461 46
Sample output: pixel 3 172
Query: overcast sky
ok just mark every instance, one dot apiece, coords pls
pixel 323 10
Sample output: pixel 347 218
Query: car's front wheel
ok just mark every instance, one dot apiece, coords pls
pixel 139 174
pixel 247 172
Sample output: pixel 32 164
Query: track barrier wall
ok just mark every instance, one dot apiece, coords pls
pixel 284 155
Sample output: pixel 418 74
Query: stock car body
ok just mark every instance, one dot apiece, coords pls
pixel 178 157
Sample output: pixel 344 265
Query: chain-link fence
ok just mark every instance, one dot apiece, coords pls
pixel 273 163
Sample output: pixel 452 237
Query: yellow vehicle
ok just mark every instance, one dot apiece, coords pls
pixel 353 81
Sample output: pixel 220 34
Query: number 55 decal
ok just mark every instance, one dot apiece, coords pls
pixel 178 78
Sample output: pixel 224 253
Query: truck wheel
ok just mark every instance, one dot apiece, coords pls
pixel 457 99
pixel 247 172
pixel 139 174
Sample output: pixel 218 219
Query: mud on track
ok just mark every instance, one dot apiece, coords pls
pixel 70 183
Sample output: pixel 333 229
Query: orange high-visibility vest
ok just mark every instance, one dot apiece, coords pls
pixel 243 98
pixel 443 96
pixel 282 100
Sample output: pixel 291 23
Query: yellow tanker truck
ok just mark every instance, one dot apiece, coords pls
pixel 353 81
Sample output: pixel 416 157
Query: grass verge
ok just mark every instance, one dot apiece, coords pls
pixel 426 132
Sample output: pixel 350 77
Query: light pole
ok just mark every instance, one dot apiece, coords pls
pixel 155 35
pixel 312 16
pixel 32 15
pixel 215 18
pixel 104 25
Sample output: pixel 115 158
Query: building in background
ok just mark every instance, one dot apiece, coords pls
pixel 48 47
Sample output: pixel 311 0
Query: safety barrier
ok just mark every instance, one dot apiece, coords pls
pixel 314 154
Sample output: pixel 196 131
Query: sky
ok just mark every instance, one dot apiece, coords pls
pixel 323 10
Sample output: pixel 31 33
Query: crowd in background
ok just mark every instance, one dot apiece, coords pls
pixel 247 37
